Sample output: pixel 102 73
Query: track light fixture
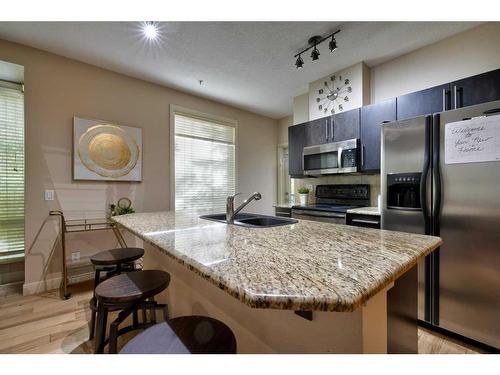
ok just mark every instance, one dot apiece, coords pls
pixel 313 43
pixel 299 63
pixel 333 44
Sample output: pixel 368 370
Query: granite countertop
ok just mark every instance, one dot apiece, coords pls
pixel 305 266
pixel 375 211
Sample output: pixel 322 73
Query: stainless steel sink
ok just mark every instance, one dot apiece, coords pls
pixel 252 220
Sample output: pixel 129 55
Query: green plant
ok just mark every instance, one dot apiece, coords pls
pixel 124 210
pixel 303 190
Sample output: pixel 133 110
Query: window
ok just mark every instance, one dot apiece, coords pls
pixel 285 183
pixel 205 162
pixel 11 172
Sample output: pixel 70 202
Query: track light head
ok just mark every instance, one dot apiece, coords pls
pixel 299 63
pixel 333 44
pixel 315 54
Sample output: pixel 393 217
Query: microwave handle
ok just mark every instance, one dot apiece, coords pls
pixel 326 129
pixel 339 156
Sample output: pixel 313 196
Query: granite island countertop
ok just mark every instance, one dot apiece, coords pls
pixel 305 266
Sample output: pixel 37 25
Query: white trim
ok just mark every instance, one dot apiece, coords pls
pixel 209 117
pixel 279 155
pixel 51 284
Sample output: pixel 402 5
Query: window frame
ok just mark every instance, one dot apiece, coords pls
pixel 14 256
pixel 174 108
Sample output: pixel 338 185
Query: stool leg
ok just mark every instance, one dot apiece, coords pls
pixel 135 318
pixel 93 302
pixel 113 337
pixel 102 317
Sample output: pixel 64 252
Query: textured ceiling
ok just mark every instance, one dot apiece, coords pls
pixel 248 65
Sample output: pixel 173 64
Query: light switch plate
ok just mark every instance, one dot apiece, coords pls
pixel 49 195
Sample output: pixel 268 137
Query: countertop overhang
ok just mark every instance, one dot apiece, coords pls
pixel 305 266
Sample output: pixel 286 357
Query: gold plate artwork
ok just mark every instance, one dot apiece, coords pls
pixel 104 151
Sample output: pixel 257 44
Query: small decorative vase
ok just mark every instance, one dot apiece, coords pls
pixel 303 199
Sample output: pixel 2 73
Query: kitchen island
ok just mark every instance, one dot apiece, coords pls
pixel 310 287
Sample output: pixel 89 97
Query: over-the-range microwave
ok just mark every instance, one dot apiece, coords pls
pixel 331 158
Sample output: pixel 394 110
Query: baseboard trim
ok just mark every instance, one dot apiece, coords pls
pixel 54 283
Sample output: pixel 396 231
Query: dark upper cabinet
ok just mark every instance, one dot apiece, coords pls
pixel 345 125
pixel 317 132
pixel 296 141
pixel 481 88
pixel 424 102
pixel 372 116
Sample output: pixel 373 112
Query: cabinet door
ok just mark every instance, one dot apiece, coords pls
pixel 296 137
pixel 478 89
pixel 372 116
pixel 345 125
pixel 424 102
pixel 317 132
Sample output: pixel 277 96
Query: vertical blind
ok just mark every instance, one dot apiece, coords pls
pixel 205 165
pixel 11 172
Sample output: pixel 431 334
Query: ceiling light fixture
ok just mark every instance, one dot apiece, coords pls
pixel 313 42
pixel 299 63
pixel 150 29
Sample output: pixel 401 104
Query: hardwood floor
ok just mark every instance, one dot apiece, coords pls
pixel 46 324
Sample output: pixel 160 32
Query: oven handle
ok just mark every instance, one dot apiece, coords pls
pixel 317 214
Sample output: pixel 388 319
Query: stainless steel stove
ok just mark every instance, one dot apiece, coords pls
pixel 332 203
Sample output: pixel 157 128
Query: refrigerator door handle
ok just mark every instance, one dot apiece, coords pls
pixel 425 175
pixel 436 176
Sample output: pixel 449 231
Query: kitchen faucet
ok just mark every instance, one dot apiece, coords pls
pixel 231 212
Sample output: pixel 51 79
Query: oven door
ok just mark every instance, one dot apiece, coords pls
pixel 327 217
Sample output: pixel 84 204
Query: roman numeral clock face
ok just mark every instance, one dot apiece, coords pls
pixel 334 95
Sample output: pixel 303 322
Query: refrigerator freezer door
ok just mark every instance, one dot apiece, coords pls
pixel 469 223
pixel 403 151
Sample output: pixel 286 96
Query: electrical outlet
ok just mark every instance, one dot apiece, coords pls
pixel 75 257
pixel 49 195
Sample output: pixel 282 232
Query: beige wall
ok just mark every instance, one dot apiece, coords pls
pixel 301 108
pixel 471 52
pixel 58 89
pixel 283 124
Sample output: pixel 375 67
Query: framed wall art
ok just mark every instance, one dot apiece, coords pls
pixel 106 151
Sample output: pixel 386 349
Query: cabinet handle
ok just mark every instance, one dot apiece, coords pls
pixel 332 124
pixel 362 155
pixel 446 100
pixel 458 97
pixel 326 129
pixel 365 221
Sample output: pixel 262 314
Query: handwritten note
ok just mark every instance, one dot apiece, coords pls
pixel 472 141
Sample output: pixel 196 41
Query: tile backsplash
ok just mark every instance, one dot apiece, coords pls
pixel 371 179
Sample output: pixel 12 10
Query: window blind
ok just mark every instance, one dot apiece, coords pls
pixel 11 172
pixel 205 165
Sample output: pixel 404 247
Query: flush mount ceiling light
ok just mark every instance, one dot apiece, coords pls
pixel 150 30
pixel 313 43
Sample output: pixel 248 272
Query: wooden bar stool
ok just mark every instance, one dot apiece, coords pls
pixel 112 262
pixel 127 292
pixel 184 335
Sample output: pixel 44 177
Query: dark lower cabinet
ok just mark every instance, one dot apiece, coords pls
pixel 345 125
pixel 296 141
pixel 481 88
pixel 372 116
pixel 424 102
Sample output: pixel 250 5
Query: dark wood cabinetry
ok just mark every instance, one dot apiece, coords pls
pixel 365 123
pixel 424 102
pixel 372 116
pixel 481 88
pixel 345 125
pixel 296 142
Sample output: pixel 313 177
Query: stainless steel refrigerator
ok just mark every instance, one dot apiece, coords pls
pixel 440 175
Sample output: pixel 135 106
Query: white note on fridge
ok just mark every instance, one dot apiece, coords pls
pixel 472 141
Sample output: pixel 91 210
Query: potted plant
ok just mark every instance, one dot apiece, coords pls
pixel 303 195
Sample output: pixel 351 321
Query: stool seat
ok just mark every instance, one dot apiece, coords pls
pixel 117 256
pixel 132 287
pixel 184 335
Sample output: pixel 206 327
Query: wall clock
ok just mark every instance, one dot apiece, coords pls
pixel 332 97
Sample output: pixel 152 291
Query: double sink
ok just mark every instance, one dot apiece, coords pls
pixel 252 220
